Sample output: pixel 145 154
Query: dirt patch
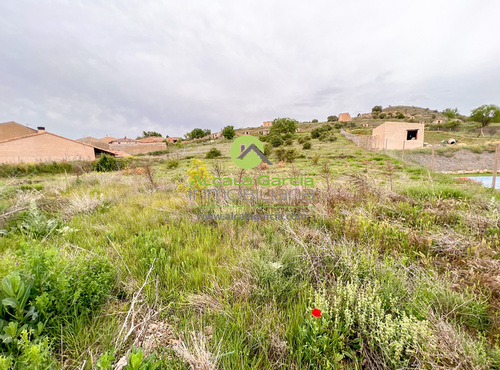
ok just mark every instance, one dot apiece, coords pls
pixel 461 160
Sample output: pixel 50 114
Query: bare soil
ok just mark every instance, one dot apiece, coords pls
pixel 458 161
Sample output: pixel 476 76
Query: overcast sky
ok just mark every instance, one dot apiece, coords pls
pixel 91 68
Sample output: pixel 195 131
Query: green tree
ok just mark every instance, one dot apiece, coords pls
pixel 451 113
pixel 332 119
pixel 197 133
pixel 314 121
pixel 486 114
pixel 377 109
pixel 283 126
pixel 228 132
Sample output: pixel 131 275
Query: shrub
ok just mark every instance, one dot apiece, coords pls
pixel 46 291
pixel 452 125
pixel 314 121
pixel 276 141
pixel 317 132
pixel 289 142
pixel 307 145
pixel 328 136
pixel 23 169
pixel 284 155
pixel 358 316
pixel 105 163
pixel 268 149
pixel 197 171
pixel 35 224
pixel 172 163
pixel 213 153
pixel 400 115
pixel 332 119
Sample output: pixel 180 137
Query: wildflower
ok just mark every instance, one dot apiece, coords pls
pixel 316 312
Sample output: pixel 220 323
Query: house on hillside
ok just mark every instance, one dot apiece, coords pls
pixel 439 121
pixel 398 136
pixel 365 115
pixel 108 139
pixel 94 142
pixel 345 117
pixel 34 146
pixel 264 132
pixel 216 135
pixel 267 124
pixel 152 139
pixel 172 140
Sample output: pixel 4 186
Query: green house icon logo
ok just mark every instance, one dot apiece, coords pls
pixel 247 152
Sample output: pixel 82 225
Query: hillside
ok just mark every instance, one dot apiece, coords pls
pixel 400 263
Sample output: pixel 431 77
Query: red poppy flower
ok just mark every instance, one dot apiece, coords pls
pixel 316 312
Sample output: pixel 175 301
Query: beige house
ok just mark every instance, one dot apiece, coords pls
pixel 10 130
pixel 438 121
pixel 152 139
pixel 94 142
pixel 398 136
pixel 42 146
pixel 172 140
pixel 108 139
pixel 345 117
pixel 267 124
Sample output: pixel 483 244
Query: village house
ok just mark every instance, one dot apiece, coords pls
pixel 108 139
pixel 152 139
pixel 172 140
pixel 216 135
pixel 438 121
pixel 94 142
pixel 345 117
pixel 21 144
pixel 264 132
pixel 398 136
pixel 267 124
pixel 365 115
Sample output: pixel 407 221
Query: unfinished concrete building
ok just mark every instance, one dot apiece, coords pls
pixel 398 136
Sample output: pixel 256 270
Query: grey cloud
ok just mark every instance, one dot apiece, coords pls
pixel 96 68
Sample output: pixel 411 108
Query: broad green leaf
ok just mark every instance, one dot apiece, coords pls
pixel 12 302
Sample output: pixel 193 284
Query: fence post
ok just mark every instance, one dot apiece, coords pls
pixel 495 167
pixel 432 158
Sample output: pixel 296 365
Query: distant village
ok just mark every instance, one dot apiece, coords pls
pixel 22 144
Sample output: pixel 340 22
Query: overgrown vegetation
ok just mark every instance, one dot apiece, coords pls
pixel 115 268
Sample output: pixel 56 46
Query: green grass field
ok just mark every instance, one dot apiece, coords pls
pixel 115 267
